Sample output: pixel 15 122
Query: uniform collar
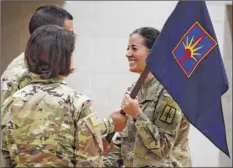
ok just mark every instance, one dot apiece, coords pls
pixel 150 82
pixel 149 90
pixel 37 79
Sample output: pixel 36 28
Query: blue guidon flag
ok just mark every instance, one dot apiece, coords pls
pixel 186 59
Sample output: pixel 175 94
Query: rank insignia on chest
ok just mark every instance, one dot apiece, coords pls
pixel 168 114
pixel 95 120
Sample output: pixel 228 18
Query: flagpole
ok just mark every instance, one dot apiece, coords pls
pixel 133 95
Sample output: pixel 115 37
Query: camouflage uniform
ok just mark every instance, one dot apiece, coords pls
pixel 46 123
pixel 11 77
pixel 158 138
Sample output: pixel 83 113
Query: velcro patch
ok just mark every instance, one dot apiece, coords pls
pixel 168 114
pixel 95 120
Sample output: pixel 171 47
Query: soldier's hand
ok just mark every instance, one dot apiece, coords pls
pixel 107 146
pixel 130 106
pixel 119 120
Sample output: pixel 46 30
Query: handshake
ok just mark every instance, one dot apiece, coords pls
pixel 130 107
pixel 119 120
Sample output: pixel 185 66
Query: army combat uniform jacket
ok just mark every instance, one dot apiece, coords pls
pixel 11 77
pixel 158 138
pixel 47 123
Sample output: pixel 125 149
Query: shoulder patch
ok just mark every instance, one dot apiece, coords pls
pixel 187 52
pixel 168 114
pixel 95 120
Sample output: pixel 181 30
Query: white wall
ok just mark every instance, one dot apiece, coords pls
pixel 102 69
pixel 227 98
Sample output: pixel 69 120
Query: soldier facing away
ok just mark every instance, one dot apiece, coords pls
pixel 12 77
pixel 47 123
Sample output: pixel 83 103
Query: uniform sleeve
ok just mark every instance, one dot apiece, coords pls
pixel 7 88
pixel 12 77
pixel 105 125
pixel 113 158
pixel 160 136
pixel 5 156
pixel 90 129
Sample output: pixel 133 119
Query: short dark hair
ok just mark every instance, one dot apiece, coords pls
pixel 49 50
pixel 48 14
pixel 149 34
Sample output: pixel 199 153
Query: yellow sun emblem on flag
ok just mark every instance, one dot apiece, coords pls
pixel 190 50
